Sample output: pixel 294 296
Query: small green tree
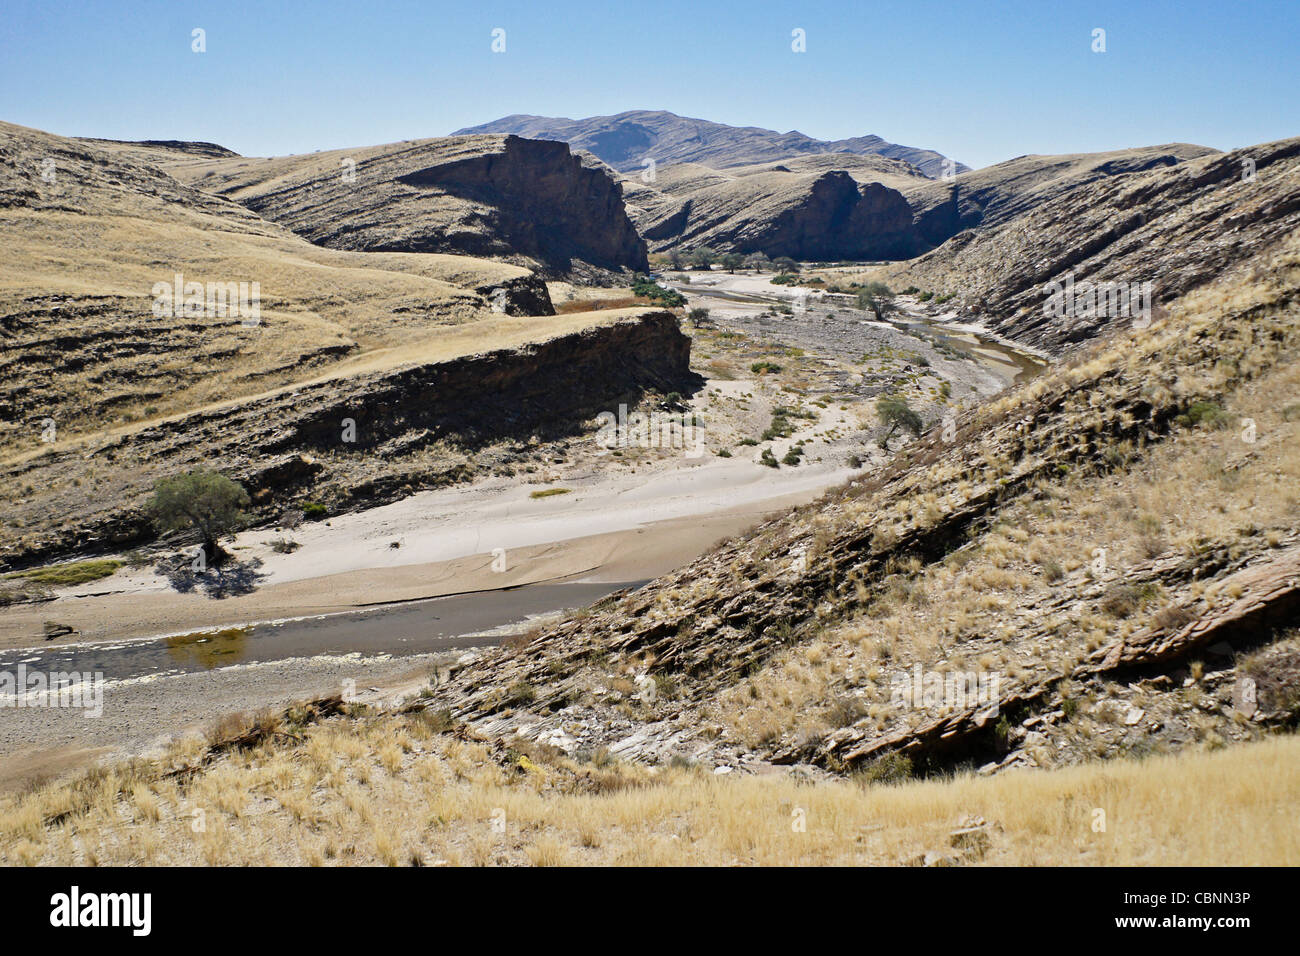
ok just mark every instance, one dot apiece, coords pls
pixel 700 314
pixel 732 261
pixel 896 413
pixel 876 297
pixel 785 264
pixel 210 503
pixel 758 261
pixel 703 257
pixel 675 260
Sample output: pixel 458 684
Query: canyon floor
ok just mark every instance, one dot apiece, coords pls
pixel 362 596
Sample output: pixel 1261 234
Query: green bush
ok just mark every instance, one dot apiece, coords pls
pixel 210 503
pixel 1204 413
pixel 78 572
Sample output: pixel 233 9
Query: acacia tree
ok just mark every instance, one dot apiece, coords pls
pixel 876 297
pixel 702 258
pixel 896 413
pixel 210 503
pixel 732 261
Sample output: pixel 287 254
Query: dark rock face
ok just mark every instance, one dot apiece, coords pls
pixel 825 216
pixel 842 220
pixel 524 295
pixel 480 196
pixel 291 444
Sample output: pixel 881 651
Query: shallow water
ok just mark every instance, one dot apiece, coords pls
pixel 417 627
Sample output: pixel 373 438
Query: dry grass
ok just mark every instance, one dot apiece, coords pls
pixel 1203 485
pixel 383 790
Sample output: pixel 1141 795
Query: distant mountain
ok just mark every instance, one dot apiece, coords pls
pixel 627 140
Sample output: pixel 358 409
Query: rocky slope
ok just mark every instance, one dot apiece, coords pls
pixel 1115 543
pixel 1175 225
pixel 354 440
pixel 501 196
pixel 626 140
pixel 998 193
pixel 107 384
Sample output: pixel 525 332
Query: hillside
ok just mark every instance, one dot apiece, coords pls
pixel 804 207
pixel 999 193
pixel 626 140
pixel 979 554
pixel 1176 226
pixel 108 384
pixel 531 202
pixel 813 207
pixel 1110 552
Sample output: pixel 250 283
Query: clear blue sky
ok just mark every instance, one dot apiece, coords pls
pixel 979 81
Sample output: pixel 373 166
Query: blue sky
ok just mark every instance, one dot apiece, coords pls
pixel 979 81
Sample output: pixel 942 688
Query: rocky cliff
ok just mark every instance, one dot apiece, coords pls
pixel 805 215
pixel 499 196
pixel 352 441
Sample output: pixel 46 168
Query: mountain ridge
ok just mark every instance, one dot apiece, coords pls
pixel 626 140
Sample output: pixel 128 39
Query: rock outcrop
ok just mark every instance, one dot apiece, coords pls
pixel 500 196
pixel 805 216
pixel 351 441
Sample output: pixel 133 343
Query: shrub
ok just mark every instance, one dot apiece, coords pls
pixel 891 768
pixel 769 459
pixel 647 288
pixel 210 503
pixel 1204 413
pixel 896 413
pixel 78 572
pixel 521 692
pixel 314 510
pixel 549 492
pixel 875 297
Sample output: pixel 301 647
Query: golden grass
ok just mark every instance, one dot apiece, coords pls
pixel 1202 485
pixel 384 790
